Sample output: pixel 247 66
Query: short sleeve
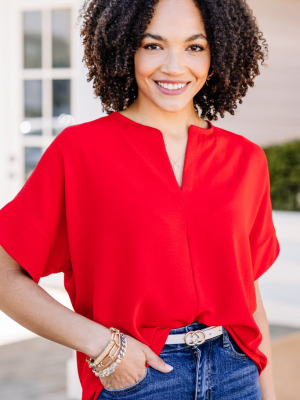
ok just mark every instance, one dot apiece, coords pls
pixel 263 239
pixel 33 226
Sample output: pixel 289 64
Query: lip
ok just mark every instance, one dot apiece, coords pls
pixel 172 92
pixel 170 81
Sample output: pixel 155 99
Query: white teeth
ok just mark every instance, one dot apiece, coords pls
pixel 172 87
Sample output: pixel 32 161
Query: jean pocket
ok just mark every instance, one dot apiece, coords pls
pixel 235 350
pixel 130 388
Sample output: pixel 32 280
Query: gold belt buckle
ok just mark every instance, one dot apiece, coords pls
pixel 193 337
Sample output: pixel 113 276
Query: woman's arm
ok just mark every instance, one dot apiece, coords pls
pixel 266 379
pixel 32 307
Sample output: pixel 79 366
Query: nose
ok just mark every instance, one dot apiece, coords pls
pixel 173 64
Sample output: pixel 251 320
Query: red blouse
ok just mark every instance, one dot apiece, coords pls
pixel 138 253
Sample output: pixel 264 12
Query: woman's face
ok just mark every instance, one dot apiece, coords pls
pixel 174 49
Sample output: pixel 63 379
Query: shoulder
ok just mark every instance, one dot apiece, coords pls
pixel 86 130
pixel 242 146
pixel 77 139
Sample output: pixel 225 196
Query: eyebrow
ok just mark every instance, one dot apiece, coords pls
pixel 162 39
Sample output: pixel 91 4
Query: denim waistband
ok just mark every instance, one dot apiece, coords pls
pixel 190 327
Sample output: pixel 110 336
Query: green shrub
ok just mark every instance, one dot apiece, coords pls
pixel 284 167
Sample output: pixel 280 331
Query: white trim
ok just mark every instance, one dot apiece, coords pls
pixel 37 5
pixel 46 39
pixel 48 73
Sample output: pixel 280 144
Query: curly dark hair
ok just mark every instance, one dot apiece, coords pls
pixel 112 32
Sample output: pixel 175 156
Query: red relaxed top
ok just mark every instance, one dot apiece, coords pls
pixel 138 253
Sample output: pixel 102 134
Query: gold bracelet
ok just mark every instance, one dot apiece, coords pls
pixel 106 353
pixel 109 370
pixel 110 357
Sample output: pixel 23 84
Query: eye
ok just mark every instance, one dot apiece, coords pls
pixel 149 45
pixel 199 47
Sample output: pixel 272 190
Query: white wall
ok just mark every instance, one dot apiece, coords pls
pixel 270 112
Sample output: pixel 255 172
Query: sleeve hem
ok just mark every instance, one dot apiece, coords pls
pixel 271 250
pixel 23 243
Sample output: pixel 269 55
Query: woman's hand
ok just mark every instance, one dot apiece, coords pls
pixel 133 365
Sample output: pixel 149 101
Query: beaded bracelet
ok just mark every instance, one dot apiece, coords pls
pixel 110 366
pixel 106 353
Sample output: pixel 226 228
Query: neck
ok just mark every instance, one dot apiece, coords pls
pixel 174 123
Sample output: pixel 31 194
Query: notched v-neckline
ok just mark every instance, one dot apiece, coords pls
pixel 184 163
pixel 194 134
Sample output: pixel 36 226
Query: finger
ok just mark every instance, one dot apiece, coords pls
pixel 156 362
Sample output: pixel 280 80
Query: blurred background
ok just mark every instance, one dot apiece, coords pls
pixel 44 89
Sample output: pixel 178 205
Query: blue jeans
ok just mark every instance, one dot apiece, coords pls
pixel 215 370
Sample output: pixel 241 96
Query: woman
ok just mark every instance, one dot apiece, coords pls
pixel 160 221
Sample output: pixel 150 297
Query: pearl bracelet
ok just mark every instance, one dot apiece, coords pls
pixel 121 345
pixel 107 371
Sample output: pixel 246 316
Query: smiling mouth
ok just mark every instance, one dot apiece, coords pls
pixel 171 87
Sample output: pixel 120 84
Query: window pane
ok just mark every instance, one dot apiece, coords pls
pixel 32 98
pixel 61 97
pixel 31 127
pixel 61 38
pixel 32 34
pixel 32 157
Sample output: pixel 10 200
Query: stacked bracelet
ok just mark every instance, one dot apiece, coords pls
pixel 113 366
pixel 118 340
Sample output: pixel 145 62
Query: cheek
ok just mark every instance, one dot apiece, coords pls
pixel 145 66
pixel 199 66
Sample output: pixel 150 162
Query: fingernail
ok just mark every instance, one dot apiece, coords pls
pixel 169 367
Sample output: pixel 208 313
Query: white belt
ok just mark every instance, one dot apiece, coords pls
pixel 195 337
